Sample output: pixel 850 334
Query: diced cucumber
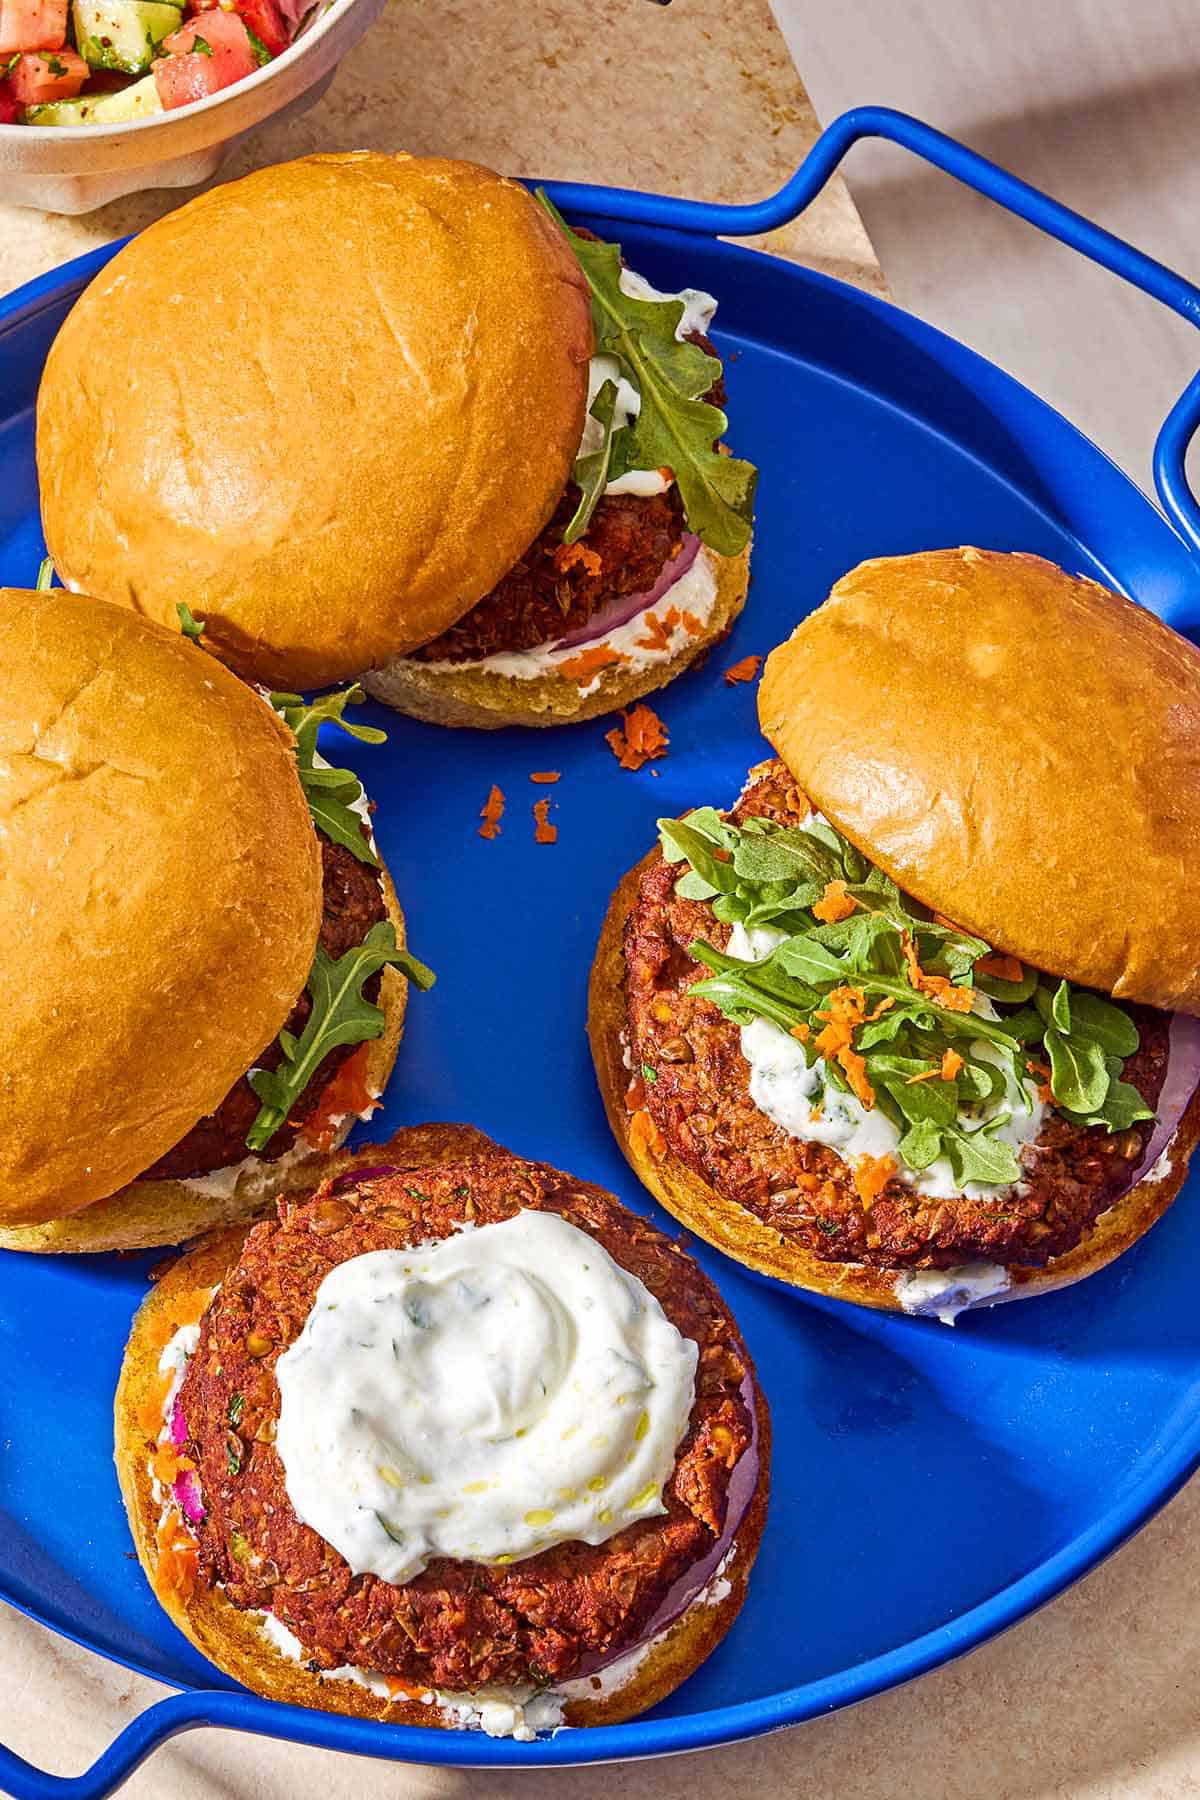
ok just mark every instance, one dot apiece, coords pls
pixel 123 34
pixel 138 101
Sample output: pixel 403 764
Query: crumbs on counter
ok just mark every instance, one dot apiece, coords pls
pixel 641 739
pixel 543 831
pixel 544 777
pixel 746 670
pixel 491 813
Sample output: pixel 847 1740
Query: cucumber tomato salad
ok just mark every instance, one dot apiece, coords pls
pixel 106 62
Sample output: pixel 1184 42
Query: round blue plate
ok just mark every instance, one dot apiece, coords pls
pixel 929 1486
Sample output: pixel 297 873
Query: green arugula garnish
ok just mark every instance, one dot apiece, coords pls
pixel 45 575
pixel 201 46
pixel 878 996
pixel 189 624
pixel 675 427
pixel 331 793
pixel 261 53
pixel 341 1014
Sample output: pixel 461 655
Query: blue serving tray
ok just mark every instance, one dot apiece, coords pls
pixel 1017 1449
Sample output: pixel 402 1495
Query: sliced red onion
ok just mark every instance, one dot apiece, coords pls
pixel 353 1177
pixel 619 612
pixel 186 1489
pixel 692 1583
pixel 1179 1084
pixel 178 1425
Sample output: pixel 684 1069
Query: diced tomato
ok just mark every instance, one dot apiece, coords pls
pixel 224 55
pixel 32 25
pixel 44 75
pixel 8 106
pixel 263 17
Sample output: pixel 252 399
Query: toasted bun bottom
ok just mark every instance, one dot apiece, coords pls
pixel 472 694
pixel 148 1213
pixel 744 1236
pixel 233 1639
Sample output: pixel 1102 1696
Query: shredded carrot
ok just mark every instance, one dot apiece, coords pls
pixel 396 1688
pixel 187 1308
pixel 1002 966
pixel 166 1464
pixel 692 625
pixel 346 1093
pixel 1045 1091
pixel 871 1176
pixel 845 1013
pixel 492 813
pixel 643 738
pixel 835 904
pixel 635 1095
pixel 941 919
pixel 175 1569
pixel 745 670
pixel 952 1062
pixel 589 662
pixel 659 627
pixel 939 988
pixel 150 1412
pixel 925 1075
pixel 568 555
pixel 802 1032
pixel 543 831
pixel 644 1135
pixel 885 1005
pixel 544 777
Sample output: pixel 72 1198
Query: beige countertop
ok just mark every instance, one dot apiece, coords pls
pixel 1096 1697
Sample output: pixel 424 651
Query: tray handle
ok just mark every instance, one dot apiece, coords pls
pixel 994 183
pixel 141 1737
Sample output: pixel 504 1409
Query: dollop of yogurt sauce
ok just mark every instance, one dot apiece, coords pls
pixel 784 1087
pixel 481 1398
pixel 698 310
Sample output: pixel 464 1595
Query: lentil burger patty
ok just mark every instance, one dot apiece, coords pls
pixel 456 1626
pixel 352 902
pixel 700 1101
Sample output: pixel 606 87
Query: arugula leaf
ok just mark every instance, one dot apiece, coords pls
pixel 201 46
pixel 340 1015
pixel 809 961
pixel 189 625
pixel 261 54
pixel 675 428
pixel 1060 1008
pixel 1104 1023
pixel 920 1145
pixel 978 1156
pixel 1078 1073
pixel 331 793
pixel 593 472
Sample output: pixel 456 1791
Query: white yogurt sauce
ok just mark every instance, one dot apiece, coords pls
pixel 698 310
pixel 944 1293
pixel 480 1398
pixel 695 592
pixel 784 1088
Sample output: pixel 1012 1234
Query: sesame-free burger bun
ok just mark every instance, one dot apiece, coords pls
pixel 327 406
pixel 160 894
pixel 741 1234
pixel 1019 749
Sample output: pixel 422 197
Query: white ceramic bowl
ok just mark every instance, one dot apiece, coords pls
pixel 74 168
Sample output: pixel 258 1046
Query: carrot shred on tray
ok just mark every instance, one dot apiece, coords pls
pixel 745 670
pixel 491 813
pixel 543 831
pixel 545 776
pixel 589 662
pixel 641 739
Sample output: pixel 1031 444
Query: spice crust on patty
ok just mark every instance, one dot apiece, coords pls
pixel 456 1626
pixel 700 1101
pixel 352 902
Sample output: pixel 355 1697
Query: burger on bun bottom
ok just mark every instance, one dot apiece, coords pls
pixel 236 1439
pixel 913 1023
pixel 558 683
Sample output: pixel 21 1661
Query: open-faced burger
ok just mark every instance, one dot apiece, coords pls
pixel 456 1441
pixel 204 955
pixel 912 1023
pixel 434 437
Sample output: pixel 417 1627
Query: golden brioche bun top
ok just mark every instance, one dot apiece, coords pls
pixel 327 406
pixel 1016 747
pixel 160 894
